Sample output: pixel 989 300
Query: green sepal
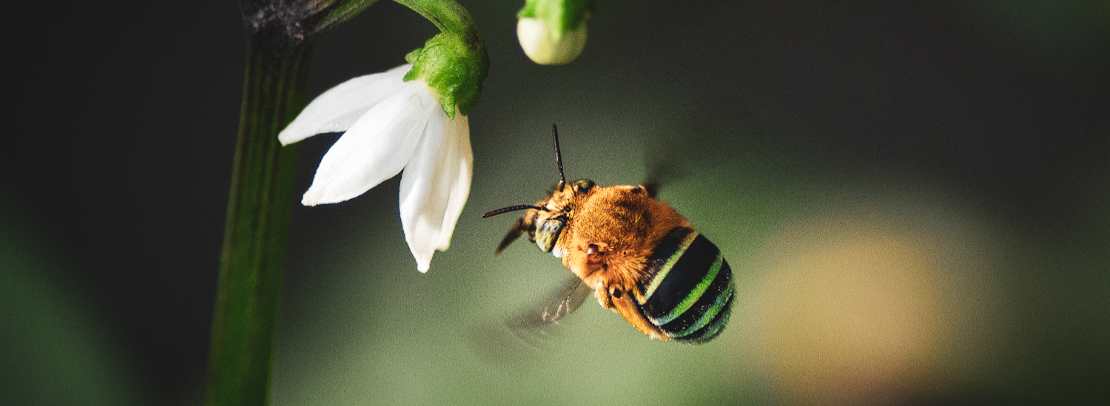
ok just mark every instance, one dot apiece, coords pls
pixel 454 68
pixel 559 15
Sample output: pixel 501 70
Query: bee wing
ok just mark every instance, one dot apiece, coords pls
pixel 560 302
pixel 652 188
pixel 658 174
pixel 663 167
pixel 527 327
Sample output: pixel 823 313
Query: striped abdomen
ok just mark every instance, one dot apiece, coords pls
pixel 688 287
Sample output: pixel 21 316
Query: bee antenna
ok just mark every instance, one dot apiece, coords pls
pixel 512 208
pixel 558 157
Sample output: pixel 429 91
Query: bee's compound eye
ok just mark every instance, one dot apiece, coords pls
pixel 548 232
pixel 591 250
pixel 615 292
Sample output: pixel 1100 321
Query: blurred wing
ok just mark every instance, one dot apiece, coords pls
pixel 527 327
pixel 567 298
pixel 660 172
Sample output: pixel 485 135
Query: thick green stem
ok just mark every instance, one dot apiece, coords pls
pixel 249 287
pixel 447 15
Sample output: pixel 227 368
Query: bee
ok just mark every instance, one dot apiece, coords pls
pixel 640 257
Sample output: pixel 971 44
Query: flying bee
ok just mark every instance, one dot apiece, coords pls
pixel 640 257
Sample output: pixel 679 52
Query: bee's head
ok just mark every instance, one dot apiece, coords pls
pixel 545 220
pixel 546 224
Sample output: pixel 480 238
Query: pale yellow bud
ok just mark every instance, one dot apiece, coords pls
pixel 541 46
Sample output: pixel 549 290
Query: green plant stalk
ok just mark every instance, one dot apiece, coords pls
pixel 259 205
pixel 447 15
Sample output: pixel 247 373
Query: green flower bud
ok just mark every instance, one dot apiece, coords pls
pixel 553 32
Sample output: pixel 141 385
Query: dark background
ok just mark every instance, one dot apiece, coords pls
pixel 122 119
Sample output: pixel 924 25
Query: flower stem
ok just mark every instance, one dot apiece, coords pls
pixel 447 15
pixel 249 286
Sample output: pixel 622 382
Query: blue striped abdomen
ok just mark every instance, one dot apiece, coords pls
pixel 688 287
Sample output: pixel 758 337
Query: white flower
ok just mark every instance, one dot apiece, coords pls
pixel 539 43
pixel 392 125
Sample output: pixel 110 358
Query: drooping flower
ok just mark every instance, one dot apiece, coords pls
pixel 411 118
pixel 390 125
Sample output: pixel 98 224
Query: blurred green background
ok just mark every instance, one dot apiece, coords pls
pixel 914 199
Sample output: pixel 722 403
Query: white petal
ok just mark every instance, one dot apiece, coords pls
pixel 460 186
pixel 375 148
pixel 341 106
pixel 432 195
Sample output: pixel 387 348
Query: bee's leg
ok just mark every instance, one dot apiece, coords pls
pixel 514 233
pixel 604 298
pixel 626 308
pixel 609 293
pixel 595 263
